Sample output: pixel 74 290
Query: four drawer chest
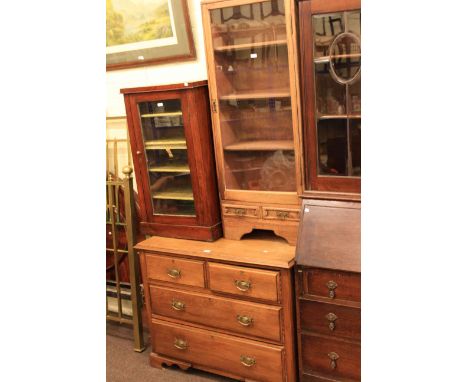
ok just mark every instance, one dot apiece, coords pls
pixel 226 307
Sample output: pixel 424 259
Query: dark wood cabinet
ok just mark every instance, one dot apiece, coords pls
pixel 330 46
pixel 328 291
pixel 171 142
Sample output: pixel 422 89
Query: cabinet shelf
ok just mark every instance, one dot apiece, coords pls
pixel 166 114
pixel 339 116
pixel 175 194
pixel 173 168
pixel 326 59
pixel 266 145
pixel 226 48
pixel 169 143
pixel 283 93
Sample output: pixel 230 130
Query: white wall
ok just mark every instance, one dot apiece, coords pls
pixel 187 71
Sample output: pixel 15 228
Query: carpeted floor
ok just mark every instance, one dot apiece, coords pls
pixel 125 365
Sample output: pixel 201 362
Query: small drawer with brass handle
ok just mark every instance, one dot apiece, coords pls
pixel 177 305
pixel 336 285
pixel 247 361
pixel 243 281
pixel 243 285
pixel 241 211
pixel 244 320
pixel 180 344
pixel 280 214
pixel 175 270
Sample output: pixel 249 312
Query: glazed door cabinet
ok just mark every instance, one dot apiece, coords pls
pixel 172 151
pixel 330 43
pixel 251 55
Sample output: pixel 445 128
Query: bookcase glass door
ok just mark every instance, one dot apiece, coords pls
pixel 166 157
pixel 252 79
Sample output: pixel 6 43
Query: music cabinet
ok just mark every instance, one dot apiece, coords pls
pixel 171 142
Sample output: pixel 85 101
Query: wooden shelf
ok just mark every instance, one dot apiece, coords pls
pixel 339 116
pixel 265 145
pixel 167 114
pixel 225 48
pixel 283 93
pixel 170 168
pixel 174 194
pixel 169 143
pixel 325 59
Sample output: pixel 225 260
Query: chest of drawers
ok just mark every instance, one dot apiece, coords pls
pixel 328 292
pixel 226 307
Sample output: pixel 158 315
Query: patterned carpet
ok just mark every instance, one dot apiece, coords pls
pixel 125 365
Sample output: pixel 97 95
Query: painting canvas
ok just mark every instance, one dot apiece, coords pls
pixel 142 32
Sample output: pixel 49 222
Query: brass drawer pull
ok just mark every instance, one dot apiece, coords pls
pixel 331 285
pixel 332 318
pixel 244 320
pixel 333 358
pixel 242 285
pixel 178 305
pixel 282 214
pixel 247 361
pixel 180 344
pixel 174 273
pixel 240 211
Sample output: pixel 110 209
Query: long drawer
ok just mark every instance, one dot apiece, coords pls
pixel 243 281
pixel 245 318
pixel 330 319
pixel 334 285
pixel 245 358
pixel 331 357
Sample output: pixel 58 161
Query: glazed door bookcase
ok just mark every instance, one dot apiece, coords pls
pixel 251 63
pixel 330 33
pixel 169 133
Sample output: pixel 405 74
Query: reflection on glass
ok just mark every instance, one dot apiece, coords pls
pixel 252 78
pixel 337 59
pixel 166 156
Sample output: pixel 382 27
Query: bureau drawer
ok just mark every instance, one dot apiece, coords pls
pixel 244 281
pixel 241 317
pixel 330 319
pixel 331 357
pixel 175 270
pixel 245 358
pixel 333 284
pixel 280 213
pixel 241 211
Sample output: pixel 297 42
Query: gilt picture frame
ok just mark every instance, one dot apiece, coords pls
pixel 147 32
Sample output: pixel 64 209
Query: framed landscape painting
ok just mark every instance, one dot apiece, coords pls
pixel 147 32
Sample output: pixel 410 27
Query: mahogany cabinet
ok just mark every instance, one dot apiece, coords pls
pixel 328 291
pixel 171 142
pixel 252 69
pixel 330 51
pixel 225 307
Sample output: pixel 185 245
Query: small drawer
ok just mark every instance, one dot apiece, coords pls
pixel 271 213
pixel 334 285
pixel 241 281
pixel 241 211
pixel 175 270
pixel 246 318
pixel 330 319
pixel 245 358
pixel 331 357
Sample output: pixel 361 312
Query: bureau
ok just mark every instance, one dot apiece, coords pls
pixel 226 307
pixel 328 292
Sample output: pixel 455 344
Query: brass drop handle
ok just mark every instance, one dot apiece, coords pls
pixel 282 214
pixel 244 320
pixel 174 273
pixel 239 211
pixel 247 361
pixel 180 344
pixel 333 358
pixel 177 305
pixel 331 285
pixel 331 317
pixel 242 285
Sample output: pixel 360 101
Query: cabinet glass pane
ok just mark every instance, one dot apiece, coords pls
pixel 337 66
pixel 252 79
pixel 166 157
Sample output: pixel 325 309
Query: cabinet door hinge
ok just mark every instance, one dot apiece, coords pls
pixel 213 106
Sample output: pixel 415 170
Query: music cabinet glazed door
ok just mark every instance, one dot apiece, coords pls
pixel 251 67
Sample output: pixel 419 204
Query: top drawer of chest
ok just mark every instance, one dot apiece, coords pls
pixel 243 281
pixel 175 270
pixel 334 285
